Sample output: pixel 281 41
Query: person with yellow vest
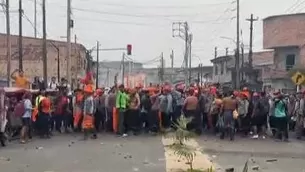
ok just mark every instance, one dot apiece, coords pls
pixel 44 112
pixel 35 109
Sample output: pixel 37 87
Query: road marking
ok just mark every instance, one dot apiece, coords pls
pixel 173 163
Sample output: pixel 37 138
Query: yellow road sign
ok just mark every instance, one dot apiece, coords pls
pixel 298 78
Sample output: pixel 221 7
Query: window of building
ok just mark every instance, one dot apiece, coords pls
pixel 290 61
pixel 222 66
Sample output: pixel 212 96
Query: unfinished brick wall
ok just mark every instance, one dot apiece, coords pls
pixel 32 57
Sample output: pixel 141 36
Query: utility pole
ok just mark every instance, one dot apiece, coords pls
pixel 108 72
pixel 97 64
pixel 69 41
pixel 172 66
pixel 198 75
pixel 227 51
pixel 123 68
pixel 162 68
pixel 44 48
pixel 201 74
pixel 35 18
pixel 242 60
pixel 183 32
pixel 251 20
pixel 215 52
pixel 20 36
pixel 8 42
pixel 237 84
pixel 190 57
pixel 186 28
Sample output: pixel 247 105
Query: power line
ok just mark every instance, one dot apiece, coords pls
pixel 159 6
pixel 302 7
pixel 293 6
pixel 142 24
pixel 117 22
pixel 32 24
pixel 133 15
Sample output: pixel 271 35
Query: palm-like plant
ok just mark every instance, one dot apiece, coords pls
pixel 180 137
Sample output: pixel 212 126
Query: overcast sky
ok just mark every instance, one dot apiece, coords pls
pixel 147 24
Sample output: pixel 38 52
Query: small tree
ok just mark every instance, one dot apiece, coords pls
pixel 180 137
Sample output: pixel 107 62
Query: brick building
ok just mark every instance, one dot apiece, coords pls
pixel 285 34
pixel 32 57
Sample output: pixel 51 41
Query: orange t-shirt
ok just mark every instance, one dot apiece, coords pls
pixel 46 105
pixel 21 82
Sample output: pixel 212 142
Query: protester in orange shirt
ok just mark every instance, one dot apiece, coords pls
pixel 44 116
pixel 88 118
pixel 20 80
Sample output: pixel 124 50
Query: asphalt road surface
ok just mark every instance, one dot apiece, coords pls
pixel 66 153
pixel 263 155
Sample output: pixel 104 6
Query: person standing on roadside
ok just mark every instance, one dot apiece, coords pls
pixel 26 117
pixel 121 105
pixel 300 122
pixel 229 104
pixel 20 80
pixel 88 120
pixel 280 113
pixel 110 104
pixel 260 115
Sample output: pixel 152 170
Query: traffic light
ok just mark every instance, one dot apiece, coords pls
pixel 129 49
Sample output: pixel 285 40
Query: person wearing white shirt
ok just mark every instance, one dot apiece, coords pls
pixel 53 84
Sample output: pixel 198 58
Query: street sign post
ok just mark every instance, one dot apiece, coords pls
pixel 298 78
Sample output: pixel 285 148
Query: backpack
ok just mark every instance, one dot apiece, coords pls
pixel 19 109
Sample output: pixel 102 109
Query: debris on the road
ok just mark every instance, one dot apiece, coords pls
pixel 255 168
pixel 271 160
pixel 39 148
pixel 5 159
pixel 214 156
pixel 146 162
pixel 101 143
pixel 118 145
pixel 69 145
pixel 135 169
pixel 229 170
pixel 161 159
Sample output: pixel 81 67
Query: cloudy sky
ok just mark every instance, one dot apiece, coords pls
pixel 147 24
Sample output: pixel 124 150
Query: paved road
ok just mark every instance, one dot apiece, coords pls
pixel 65 153
pixel 289 156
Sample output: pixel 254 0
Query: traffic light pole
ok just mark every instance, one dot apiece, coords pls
pixel 128 49
pixel 123 68
pixel 97 64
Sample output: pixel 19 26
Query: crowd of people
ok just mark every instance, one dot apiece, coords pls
pixel 151 110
